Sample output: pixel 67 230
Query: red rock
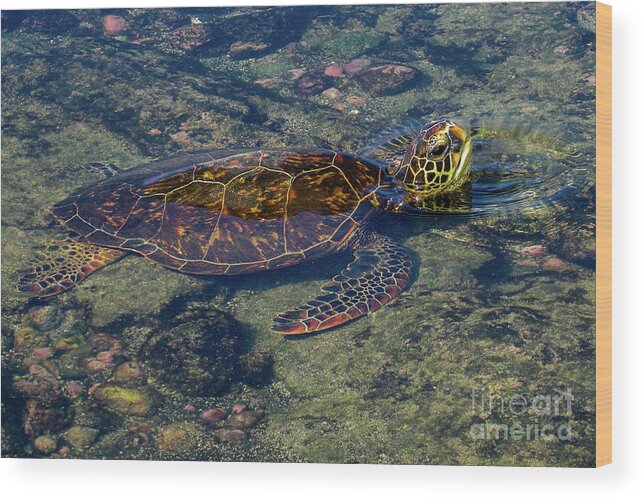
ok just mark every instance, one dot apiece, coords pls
pixel 295 74
pixel 527 263
pixel 331 93
pixel 334 71
pixel 189 408
pixel 105 356
pixel 534 250
pixel 555 264
pixel 42 353
pixel 45 444
pixel 356 66
pixel 190 36
pixel 354 100
pixel 114 25
pixel 74 389
pixel 239 407
pixel 181 137
pixel 242 49
pixel 215 415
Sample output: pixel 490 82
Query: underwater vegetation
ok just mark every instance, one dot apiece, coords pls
pixel 140 362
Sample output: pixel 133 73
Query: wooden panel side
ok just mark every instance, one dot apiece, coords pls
pixel 603 234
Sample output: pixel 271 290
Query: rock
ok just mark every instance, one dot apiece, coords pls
pixel 80 437
pixel 334 71
pixel 64 451
pixel 45 444
pixel 311 83
pixel 213 416
pixel 189 408
pixel 92 366
pixel 44 317
pixel 128 374
pixel 246 419
pixel 534 250
pixel 27 338
pixel 257 365
pixel 295 74
pixel 242 50
pixel 198 354
pixel 387 79
pixel 356 66
pixel 126 401
pixel 41 384
pixel 189 37
pixel 355 100
pixel 331 93
pixel 181 137
pixel 114 25
pixel 179 438
pixel 239 407
pixel 46 416
pixel 105 356
pixel 555 264
pixel 230 435
pixel 74 389
pixel 43 353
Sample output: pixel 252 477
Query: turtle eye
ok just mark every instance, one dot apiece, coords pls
pixel 438 150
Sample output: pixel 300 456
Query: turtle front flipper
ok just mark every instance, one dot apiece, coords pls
pixel 61 265
pixel 380 271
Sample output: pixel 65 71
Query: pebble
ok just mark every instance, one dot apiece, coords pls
pixel 105 356
pixel 45 444
pixel 181 137
pixel 113 25
pixel 334 71
pixel 355 100
pixel 42 353
pixel 80 437
pixel 189 408
pixel 128 373
pixel 215 415
pixel 27 338
pixel 356 66
pixel 179 438
pixel 310 83
pixel 44 317
pixel 122 400
pixel 534 250
pixel 331 93
pixel 555 264
pixel 246 419
pixel 386 79
pixel 239 407
pixel 230 435
pixel 295 74
pixel 246 49
pixel 74 389
pixel 190 36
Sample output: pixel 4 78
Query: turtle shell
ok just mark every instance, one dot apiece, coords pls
pixel 228 212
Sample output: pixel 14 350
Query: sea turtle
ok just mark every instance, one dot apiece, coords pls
pixel 226 212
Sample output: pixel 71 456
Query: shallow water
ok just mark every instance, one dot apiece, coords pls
pixel 501 308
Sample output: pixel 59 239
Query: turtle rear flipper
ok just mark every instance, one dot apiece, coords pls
pixel 61 265
pixel 380 271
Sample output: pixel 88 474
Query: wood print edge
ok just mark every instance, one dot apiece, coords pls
pixel 603 234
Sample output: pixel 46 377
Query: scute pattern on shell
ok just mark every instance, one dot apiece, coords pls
pixel 228 212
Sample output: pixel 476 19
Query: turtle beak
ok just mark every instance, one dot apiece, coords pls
pixel 461 150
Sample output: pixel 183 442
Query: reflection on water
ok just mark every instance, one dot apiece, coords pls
pixel 141 362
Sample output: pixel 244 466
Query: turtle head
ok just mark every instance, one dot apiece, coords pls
pixel 437 161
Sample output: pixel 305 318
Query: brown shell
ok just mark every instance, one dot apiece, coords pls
pixel 228 212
